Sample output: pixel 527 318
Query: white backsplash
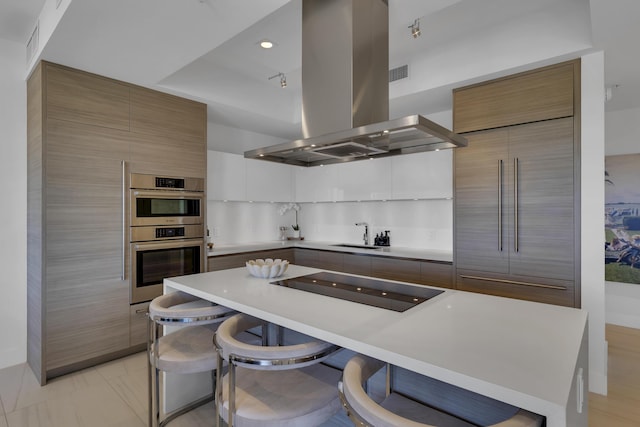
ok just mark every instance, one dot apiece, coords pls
pixel 420 224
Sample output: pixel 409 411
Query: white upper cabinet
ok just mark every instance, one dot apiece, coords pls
pixel 366 179
pixel 226 177
pixel 232 177
pixel 318 184
pixel 422 175
pixel 411 176
pixel 269 182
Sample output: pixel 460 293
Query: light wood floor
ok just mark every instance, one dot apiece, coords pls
pixel 621 406
pixel 114 394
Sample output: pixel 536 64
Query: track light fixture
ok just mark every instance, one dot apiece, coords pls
pixel 283 79
pixel 415 28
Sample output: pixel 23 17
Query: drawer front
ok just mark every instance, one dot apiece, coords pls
pixel 531 289
pixel 357 264
pixel 224 262
pixel 138 323
pixel 436 274
pixel 319 259
pixel 403 270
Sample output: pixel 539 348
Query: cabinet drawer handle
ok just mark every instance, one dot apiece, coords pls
pixel 142 311
pixel 514 282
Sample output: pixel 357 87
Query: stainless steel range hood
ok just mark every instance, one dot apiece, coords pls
pixel 345 91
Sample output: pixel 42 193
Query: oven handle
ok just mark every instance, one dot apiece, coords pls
pixel 168 194
pixel 182 243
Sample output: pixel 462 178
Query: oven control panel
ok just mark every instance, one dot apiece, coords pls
pixel 169 232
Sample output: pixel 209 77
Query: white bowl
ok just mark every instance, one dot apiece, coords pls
pixel 267 268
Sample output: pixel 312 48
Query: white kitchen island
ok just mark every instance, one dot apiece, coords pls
pixel 530 355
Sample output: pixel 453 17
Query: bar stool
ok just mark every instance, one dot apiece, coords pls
pixel 273 385
pixel 186 350
pixel 398 410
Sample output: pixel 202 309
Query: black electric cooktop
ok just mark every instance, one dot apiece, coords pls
pixel 378 293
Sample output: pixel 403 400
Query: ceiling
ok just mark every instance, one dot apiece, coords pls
pixel 208 49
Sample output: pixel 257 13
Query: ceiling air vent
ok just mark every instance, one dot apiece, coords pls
pixel 398 73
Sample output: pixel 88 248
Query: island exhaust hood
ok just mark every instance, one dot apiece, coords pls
pixel 345 91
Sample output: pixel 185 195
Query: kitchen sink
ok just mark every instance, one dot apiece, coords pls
pixel 349 245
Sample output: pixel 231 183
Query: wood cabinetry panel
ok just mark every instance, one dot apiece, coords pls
pixel 545 200
pixel 481 174
pixel 35 218
pixel 78 135
pixel 166 155
pixel 87 302
pixel 84 228
pixel 404 270
pixel 516 211
pixel 157 113
pixel 86 321
pixel 436 274
pixel 534 236
pixel 543 94
pixel 81 97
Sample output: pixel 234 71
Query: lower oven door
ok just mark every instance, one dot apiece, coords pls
pixel 152 262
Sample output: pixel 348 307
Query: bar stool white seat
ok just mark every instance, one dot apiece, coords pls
pixel 188 349
pixel 279 386
pixel 398 410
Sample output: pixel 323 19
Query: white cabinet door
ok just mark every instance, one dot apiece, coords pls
pixel 225 176
pixel 426 175
pixel 269 182
pixel 318 184
pixel 366 179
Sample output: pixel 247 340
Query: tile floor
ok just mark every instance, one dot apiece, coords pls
pixel 112 394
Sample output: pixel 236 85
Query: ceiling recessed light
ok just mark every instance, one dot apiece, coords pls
pixel 266 44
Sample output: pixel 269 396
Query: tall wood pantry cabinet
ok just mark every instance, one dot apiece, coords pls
pixel 516 186
pixel 85 133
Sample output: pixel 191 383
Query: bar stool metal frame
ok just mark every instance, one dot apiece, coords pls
pixel 356 374
pixel 320 350
pixel 163 312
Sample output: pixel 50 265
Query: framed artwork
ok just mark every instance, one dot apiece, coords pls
pixel 622 218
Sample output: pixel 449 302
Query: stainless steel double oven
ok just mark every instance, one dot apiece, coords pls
pixel 166 231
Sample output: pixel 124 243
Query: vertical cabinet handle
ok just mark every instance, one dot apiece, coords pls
pixel 500 177
pixel 124 221
pixel 515 203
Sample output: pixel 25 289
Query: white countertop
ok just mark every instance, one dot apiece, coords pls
pixel 391 251
pixel 519 352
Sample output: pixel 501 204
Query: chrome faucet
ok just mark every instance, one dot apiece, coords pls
pixel 365 237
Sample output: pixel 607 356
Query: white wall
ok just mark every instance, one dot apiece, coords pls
pixel 592 217
pixel 621 137
pixel 13 214
pixel 237 141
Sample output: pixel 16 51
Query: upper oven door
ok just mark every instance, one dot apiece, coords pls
pixel 152 207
